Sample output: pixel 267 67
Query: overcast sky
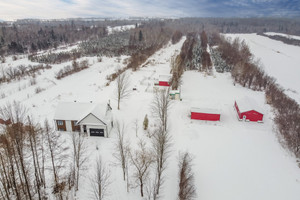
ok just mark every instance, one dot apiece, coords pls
pixel 55 9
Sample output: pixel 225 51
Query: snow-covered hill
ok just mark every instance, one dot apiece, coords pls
pixel 279 60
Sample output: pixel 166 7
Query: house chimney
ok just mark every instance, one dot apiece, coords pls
pixel 108 107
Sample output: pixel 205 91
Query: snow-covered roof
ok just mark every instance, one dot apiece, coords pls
pixel 174 92
pixel 205 110
pixel 247 103
pixel 165 78
pixel 78 111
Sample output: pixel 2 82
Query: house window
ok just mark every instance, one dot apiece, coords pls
pixel 60 122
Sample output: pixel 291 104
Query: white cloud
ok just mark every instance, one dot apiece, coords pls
pixel 33 9
pixel 50 9
pixel 47 9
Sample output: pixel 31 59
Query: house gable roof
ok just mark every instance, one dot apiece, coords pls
pixel 90 114
pixel 79 111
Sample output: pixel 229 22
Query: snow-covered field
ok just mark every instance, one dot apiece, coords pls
pixel 114 29
pixel 279 60
pixel 233 160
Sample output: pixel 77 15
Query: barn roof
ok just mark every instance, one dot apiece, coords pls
pixel 77 111
pixel 205 110
pixel 165 78
pixel 247 103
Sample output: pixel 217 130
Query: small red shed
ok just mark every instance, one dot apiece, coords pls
pixel 164 80
pixel 205 114
pixel 248 110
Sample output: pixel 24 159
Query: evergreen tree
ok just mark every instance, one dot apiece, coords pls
pixel 33 47
pixel 2 41
pixel 145 123
pixel 140 36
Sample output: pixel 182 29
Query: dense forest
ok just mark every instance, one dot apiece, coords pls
pixel 29 36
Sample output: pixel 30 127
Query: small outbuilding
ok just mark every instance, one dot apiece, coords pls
pixel 248 110
pixel 175 94
pixel 89 118
pixel 206 114
pixel 164 80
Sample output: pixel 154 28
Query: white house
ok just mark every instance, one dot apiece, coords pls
pixel 90 118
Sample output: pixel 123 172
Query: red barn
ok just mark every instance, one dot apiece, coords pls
pixel 164 80
pixel 248 110
pixel 205 114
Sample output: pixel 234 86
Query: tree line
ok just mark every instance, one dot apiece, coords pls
pixel 154 37
pixel 286 40
pixel 193 56
pixel 23 36
pixel 20 71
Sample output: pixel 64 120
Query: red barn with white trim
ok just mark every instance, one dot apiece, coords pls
pixel 164 80
pixel 205 114
pixel 248 110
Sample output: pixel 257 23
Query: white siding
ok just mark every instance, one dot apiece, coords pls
pixel 68 125
pixel 55 125
pixel 91 119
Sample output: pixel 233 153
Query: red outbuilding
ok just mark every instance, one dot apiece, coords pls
pixel 248 110
pixel 205 114
pixel 164 80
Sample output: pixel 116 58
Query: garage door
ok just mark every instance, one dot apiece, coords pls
pixel 96 132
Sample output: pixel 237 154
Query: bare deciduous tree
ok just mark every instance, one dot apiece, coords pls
pixel 100 181
pixel 187 190
pixel 122 149
pixel 33 132
pixel 151 188
pixel 58 157
pixel 122 90
pixel 141 160
pixel 177 71
pixel 79 156
pixel 136 126
pixel 21 168
pixel 160 106
pixel 161 142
